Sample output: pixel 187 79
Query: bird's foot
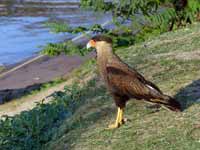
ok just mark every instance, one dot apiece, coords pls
pixel 118 124
pixel 113 126
pixel 119 120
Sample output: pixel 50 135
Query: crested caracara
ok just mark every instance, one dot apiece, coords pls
pixel 124 82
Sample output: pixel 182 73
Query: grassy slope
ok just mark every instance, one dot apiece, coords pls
pixel 171 62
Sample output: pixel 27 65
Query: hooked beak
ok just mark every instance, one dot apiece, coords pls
pixel 90 44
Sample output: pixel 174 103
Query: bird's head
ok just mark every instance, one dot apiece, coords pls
pixel 99 41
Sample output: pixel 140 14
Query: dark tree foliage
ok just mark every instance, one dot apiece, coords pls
pixel 145 17
pixel 178 12
pixel 186 12
pixel 179 5
pixel 122 8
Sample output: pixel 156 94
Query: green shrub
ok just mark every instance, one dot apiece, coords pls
pixel 31 130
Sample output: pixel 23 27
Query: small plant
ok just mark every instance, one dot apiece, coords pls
pixel 2 68
pixel 33 129
pixel 57 27
pixel 68 48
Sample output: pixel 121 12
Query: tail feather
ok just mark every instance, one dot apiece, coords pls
pixel 168 102
pixel 171 103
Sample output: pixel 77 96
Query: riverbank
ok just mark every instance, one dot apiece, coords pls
pixel 17 82
pixel 32 73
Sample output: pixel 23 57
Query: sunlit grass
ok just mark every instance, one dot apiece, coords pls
pixel 147 129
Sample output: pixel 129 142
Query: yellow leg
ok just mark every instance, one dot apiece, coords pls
pixel 119 119
pixel 116 124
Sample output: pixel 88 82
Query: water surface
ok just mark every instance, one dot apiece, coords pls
pixel 22 30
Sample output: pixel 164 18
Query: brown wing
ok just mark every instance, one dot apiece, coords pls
pixel 124 80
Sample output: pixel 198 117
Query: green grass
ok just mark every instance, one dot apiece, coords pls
pixel 77 118
pixel 2 68
pixel 147 129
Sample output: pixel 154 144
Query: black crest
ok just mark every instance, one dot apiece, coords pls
pixel 102 38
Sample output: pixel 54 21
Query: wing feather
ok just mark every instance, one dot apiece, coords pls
pixel 128 81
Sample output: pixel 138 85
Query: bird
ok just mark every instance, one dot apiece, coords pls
pixel 125 83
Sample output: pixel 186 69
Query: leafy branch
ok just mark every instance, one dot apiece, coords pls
pixel 146 16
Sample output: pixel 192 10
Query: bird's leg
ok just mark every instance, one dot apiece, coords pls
pixel 121 119
pixel 116 124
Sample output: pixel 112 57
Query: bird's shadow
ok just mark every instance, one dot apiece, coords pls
pixel 189 94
